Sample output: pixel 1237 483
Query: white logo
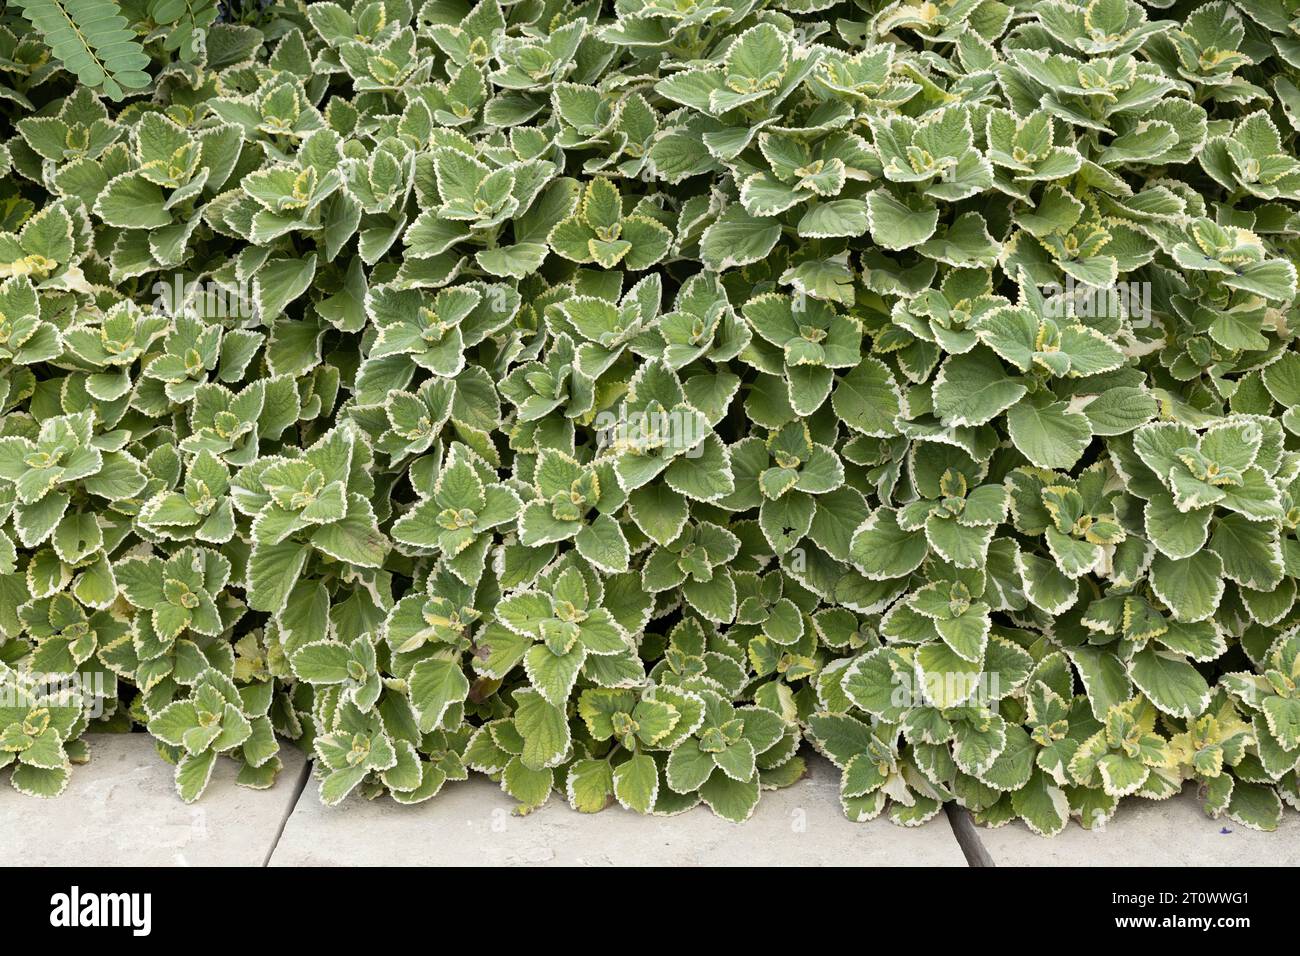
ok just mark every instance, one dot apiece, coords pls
pixel 103 909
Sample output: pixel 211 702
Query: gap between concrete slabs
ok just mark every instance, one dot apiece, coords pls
pixel 470 823
pixel 122 807
pixel 967 834
pixel 299 786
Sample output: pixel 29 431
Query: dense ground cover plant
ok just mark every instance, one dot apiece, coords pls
pixel 610 398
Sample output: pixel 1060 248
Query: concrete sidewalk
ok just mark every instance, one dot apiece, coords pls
pixel 122 808
pixel 470 824
pixel 1173 832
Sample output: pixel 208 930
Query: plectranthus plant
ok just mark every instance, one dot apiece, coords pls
pixel 635 402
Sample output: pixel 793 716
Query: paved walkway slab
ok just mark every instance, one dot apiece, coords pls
pixel 122 807
pixel 1173 832
pixel 470 823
